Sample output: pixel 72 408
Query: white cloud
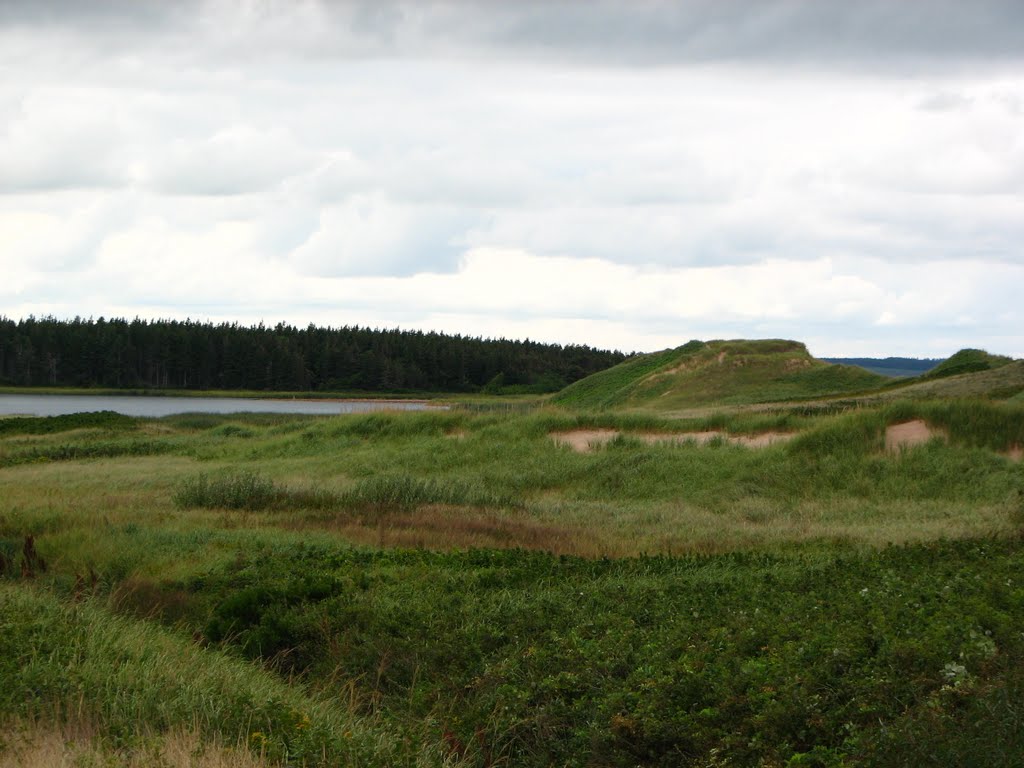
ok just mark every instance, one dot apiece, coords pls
pixel 502 166
pixel 370 235
pixel 238 159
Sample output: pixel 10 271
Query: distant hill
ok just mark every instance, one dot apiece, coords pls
pixel 968 361
pixel 1002 382
pixel 719 373
pixel 894 367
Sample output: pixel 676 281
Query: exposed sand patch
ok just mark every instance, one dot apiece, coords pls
pixel 584 440
pixel 908 434
pixel 1016 453
pixel 456 434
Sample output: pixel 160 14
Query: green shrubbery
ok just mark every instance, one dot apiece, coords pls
pixel 540 660
pixel 43 425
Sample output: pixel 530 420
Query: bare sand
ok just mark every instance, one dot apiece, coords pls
pixel 583 440
pixel 908 434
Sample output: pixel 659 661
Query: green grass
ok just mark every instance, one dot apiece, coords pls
pixel 456 587
pixel 1002 382
pixel 120 673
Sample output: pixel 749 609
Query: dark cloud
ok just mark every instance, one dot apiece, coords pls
pixel 98 15
pixel 812 30
pixel 867 33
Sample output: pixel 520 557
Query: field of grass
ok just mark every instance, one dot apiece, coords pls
pixel 456 588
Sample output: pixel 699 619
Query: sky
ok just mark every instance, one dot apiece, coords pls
pixel 627 175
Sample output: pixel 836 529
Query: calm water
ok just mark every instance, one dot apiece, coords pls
pixel 58 405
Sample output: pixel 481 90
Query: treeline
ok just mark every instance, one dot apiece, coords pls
pixel 169 354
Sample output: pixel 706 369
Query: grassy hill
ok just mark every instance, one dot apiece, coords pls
pixel 719 373
pixel 967 361
pixel 1003 381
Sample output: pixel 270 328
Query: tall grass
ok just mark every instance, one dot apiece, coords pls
pixel 123 674
pixel 244 490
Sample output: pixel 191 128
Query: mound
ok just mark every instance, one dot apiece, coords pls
pixel 967 361
pixel 717 373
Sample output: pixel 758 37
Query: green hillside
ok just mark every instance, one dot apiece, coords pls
pixel 967 361
pixel 719 373
pixel 1003 381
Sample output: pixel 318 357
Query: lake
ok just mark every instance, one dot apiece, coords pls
pixel 142 405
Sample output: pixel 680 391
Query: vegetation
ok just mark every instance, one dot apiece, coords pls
pixel 50 424
pixel 172 355
pixel 459 588
pixel 717 372
pixel 1001 382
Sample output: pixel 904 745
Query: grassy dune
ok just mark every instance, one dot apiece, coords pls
pixel 717 372
pixel 742 373
pixel 458 588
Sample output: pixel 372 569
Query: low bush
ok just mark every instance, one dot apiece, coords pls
pixel 45 425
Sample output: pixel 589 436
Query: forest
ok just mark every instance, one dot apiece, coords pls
pixel 172 354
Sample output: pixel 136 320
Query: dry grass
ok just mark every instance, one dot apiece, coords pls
pixel 445 527
pixel 77 745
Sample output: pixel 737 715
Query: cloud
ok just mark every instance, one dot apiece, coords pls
pixel 370 235
pixel 57 138
pixel 849 173
pixel 936 34
pixel 239 159
pixel 838 306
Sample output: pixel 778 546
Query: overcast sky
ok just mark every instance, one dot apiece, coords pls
pixel 625 174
